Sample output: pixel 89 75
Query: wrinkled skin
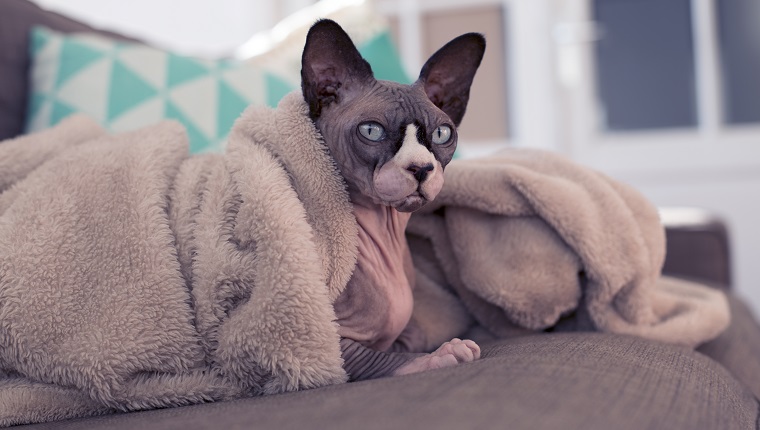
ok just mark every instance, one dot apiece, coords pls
pixel 384 172
pixel 391 143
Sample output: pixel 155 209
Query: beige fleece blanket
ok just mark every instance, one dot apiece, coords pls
pixel 133 276
pixel 527 240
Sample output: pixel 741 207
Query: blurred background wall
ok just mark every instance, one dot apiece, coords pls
pixel 195 27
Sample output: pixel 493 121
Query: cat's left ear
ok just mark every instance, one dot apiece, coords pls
pixel 447 75
pixel 332 69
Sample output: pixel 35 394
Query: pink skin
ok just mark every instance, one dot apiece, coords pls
pixel 449 354
pixel 394 184
pixel 340 89
pixel 396 187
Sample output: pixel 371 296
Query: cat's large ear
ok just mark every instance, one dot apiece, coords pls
pixel 448 74
pixel 331 67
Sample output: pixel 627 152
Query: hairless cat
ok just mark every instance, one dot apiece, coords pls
pixel 391 143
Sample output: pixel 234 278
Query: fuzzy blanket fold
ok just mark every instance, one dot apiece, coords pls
pixel 133 276
pixel 528 240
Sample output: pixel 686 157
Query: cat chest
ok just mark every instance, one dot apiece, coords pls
pixel 377 303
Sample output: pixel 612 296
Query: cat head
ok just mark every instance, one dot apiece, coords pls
pixel 391 141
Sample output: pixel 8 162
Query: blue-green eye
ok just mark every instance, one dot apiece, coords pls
pixel 441 134
pixel 372 131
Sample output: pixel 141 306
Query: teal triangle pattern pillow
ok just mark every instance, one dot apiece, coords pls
pixel 125 86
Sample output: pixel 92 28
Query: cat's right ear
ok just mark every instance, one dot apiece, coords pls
pixel 448 74
pixel 332 69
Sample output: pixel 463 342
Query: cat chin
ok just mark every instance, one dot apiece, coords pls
pixel 410 203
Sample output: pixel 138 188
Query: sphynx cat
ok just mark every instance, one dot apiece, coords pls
pixel 391 143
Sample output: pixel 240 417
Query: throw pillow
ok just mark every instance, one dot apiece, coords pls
pixel 126 85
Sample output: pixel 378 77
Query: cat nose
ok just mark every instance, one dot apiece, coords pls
pixel 420 172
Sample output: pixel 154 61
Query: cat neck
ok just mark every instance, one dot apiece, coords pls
pixel 379 220
pixel 377 303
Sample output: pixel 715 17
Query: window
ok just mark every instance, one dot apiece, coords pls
pixel 645 64
pixel 738 23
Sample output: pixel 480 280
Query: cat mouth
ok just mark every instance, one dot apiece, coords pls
pixel 411 203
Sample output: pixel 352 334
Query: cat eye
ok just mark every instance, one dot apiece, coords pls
pixel 372 131
pixel 441 134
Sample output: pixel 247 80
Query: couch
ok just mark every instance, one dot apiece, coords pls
pixel 569 380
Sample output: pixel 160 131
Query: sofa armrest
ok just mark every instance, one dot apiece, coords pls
pixel 17 17
pixel 697 246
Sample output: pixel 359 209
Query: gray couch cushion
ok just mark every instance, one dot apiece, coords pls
pixel 738 348
pixel 550 381
pixel 17 17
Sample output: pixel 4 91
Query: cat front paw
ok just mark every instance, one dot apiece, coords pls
pixel 449 354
